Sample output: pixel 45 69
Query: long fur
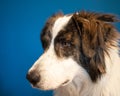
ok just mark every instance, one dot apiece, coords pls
pixel 82 56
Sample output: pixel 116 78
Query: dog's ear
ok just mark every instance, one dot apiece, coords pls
pixel 92 45
pixel 96 35
pixel 108 18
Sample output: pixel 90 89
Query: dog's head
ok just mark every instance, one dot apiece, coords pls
pixel 74 43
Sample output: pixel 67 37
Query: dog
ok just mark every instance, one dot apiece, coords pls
pixel 81 55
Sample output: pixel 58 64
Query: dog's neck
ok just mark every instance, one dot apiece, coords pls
pixel 107 85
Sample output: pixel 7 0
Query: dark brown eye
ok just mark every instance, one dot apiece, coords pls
pixel 66 43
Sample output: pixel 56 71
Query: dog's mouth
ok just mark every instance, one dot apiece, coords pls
pixel 40 86
pixel 65 83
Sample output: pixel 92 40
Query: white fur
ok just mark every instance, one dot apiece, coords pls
pixel 54 71
pixel 59 24
pixel 108 85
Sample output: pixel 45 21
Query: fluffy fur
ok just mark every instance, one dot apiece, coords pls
pixel 81 56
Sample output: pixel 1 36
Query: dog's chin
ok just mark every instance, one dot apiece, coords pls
pixel 43 87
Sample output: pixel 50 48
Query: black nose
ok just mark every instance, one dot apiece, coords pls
pixel 33 77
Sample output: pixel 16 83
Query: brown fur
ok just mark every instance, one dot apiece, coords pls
pixel 96 35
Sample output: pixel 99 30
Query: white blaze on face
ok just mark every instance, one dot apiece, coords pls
pixel 59 24
pixel 54 70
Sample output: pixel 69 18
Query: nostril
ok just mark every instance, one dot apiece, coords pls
pixel 33 77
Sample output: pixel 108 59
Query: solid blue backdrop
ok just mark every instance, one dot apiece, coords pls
pixel 20 24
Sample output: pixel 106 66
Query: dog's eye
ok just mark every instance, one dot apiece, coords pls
pixel 66 43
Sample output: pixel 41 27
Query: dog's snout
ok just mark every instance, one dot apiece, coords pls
pixel 33 77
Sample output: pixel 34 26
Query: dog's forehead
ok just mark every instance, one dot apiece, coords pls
pixel 59 24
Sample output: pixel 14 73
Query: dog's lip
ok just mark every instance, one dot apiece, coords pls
pixel 65 83
pixel 34 85
pixel 37 86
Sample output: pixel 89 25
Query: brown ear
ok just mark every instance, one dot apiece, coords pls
pixel 92 45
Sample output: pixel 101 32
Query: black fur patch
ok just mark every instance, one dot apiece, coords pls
pixel 67 41
pixel 46 34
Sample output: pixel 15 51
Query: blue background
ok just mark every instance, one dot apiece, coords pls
pixel 20 24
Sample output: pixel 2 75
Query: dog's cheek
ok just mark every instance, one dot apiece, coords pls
pixel 70 68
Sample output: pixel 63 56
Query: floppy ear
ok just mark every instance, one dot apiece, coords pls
pixel 92 45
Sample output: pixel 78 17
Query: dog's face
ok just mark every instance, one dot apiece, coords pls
pixel 71 45
pixel 56 66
